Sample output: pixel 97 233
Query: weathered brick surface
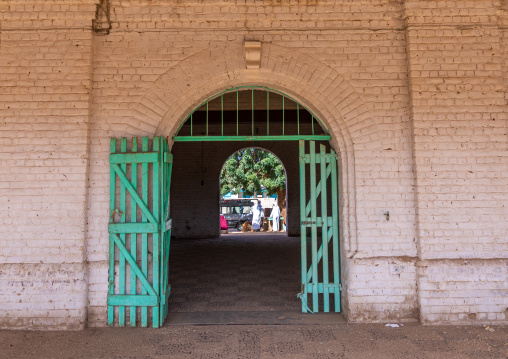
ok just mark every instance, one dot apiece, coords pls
pixel 45 78
pixel 381 289
pixel 460 129
pixel 470 291
pixel 42 296
pixel 413 93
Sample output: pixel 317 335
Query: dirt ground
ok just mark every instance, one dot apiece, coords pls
pixel 261 341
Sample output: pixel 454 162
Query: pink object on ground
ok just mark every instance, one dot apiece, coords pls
pixel 223 223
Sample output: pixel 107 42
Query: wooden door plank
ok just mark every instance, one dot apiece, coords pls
pixel 121 265
pixel 324 230
pixel 156 236
pixel 335 228
pixel 134 236
pixel 313 213
pixel 144 236
pixel 128 257
pixel 303 229
pixel 127 184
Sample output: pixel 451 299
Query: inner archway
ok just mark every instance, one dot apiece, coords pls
pixel 253 192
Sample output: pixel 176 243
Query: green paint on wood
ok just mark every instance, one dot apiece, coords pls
pixel 144 236
pixel 303 229
pixel 316 276
pixel 133 196
pixel 133 227
pixel 121 269
pixel 134 236
pixel 122 158
pixel 133 301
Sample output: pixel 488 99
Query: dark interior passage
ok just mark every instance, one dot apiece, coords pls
pixel 236 272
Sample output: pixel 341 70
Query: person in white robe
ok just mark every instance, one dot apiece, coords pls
pixel 275 217
pixel 257 214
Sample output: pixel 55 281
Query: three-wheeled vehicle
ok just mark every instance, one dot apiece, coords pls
pixel 236 212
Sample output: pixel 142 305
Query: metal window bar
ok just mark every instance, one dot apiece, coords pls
pixel 298 116
pixel 252 132
pixel 208 135
pixel 283 111
pixel 237 112
pixel 268 113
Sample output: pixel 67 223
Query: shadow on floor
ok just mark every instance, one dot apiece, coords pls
pixel 236 272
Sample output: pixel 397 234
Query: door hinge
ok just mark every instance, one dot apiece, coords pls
pixel 308 222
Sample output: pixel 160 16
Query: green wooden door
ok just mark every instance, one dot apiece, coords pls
pixel 319 228
pixel 139 231
pixel 165 288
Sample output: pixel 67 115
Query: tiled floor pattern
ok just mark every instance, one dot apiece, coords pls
pixel 236 272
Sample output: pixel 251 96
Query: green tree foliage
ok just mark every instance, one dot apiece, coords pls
pixel 250 170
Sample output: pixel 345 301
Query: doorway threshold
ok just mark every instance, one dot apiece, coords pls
pixel 253 318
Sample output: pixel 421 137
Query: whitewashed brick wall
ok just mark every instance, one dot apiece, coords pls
pixel 414 93
pixel 45 53
pixel 460 122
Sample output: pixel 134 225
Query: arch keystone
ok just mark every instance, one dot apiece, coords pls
pixel 252 54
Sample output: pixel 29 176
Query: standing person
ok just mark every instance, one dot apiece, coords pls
pixel 257 214
pixel 276 217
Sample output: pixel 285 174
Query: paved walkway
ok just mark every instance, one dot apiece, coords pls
pixel 263 341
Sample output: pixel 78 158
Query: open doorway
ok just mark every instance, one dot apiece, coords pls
pixel 241 272
pixel 258 263
pixel 253 192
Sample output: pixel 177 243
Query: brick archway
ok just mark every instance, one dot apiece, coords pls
pixel 311 82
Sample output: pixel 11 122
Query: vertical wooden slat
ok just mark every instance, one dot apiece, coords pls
pixel 335 235
pixel 112 206
pixel 144 236
pixel 324 229
pixel 303 228
pixel 313 214
pixel 165 238
pixel 134 236
pixel 162 189
pixel 166 235
pixel 121 270
pixel 156 237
